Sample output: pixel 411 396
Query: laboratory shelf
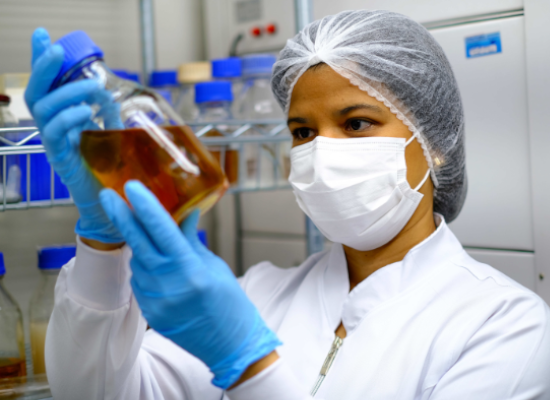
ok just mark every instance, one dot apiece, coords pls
pixel 262 147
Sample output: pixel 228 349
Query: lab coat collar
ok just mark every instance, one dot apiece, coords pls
pixel 387 282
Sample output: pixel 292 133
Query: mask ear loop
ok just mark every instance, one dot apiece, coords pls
pixel 417 188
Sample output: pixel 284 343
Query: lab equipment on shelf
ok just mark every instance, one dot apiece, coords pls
pixel 146 141
pixel 190 74
pixel 230 69
pixel 50 261
pixel 129 75
pixel 12 338
pixel 13 85
pixel 214 102
pixel 12 189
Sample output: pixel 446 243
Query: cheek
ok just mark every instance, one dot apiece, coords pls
pixel 416 163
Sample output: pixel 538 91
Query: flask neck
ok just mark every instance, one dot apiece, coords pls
pixel 91 67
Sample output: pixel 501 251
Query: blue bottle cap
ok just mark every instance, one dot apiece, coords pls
pixel 258 64
pixel 213 91
pixel 227 67
pixel 163 78
pixel 2 265
pixel 121 73
pixel 133 76
pixel 54 257
pixel 77 46
pixel 202 237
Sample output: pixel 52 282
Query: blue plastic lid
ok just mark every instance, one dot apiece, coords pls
pixel 258 64
pixel 54 257
pixel 213 91
pixel 121 73
pixel 133 76
pixel 77 46
pixel 2 265
pixel 163 78
pixel 227 67
pixel 202 237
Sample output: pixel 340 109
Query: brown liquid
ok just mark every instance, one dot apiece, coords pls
pixel 231 163
pixel 117 156
pixel 12 368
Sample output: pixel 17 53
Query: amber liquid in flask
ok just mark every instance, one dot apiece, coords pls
pixel 231 161
pixel 182 182
pixel 12 368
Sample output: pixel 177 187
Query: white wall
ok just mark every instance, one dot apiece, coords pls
pixel 112 24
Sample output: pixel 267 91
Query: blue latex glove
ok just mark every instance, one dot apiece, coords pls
pixel 61 116
pixel 185 292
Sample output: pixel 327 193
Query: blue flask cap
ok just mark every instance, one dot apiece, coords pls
pixel 54 257
pixel 213 91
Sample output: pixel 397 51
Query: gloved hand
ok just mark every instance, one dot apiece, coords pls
pixel 185 292
pixel 61 116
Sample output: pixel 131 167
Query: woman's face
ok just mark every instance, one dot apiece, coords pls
pixel 324 103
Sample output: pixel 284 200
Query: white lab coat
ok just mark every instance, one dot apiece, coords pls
pixel 437 325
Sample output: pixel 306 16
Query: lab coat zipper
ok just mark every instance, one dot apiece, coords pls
pixel 338 341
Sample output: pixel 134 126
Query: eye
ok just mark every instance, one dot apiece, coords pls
pixel 302 133
pixel 358 125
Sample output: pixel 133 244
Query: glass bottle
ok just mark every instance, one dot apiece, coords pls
pixel 50 261
pixel 12 339
pixel 139 136
pixel 230 69
pixel 13 173
pixel 166 83
pixel 214 102
pixel 190 74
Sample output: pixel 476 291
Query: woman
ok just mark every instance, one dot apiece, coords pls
pixel 395 310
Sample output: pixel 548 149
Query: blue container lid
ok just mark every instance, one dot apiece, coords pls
pixel 2 265
pixel 77 46
pixel 213 91
pixel 163 78
pixel 258 64
pixel 54 257
pixel 121 73
pixel 133 76
pixel 227 67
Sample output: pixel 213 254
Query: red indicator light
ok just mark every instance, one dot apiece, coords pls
pixel 256 31
pixel 271 29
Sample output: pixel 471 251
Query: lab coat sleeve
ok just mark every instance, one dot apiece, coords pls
pixel 274 383
pixel 513 346
pixel 97 346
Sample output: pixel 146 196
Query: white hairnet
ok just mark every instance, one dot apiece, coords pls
pixel 395 60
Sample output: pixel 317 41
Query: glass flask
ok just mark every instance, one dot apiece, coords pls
pixel 139 136
pixel 12 339
pixel 214 102
pixel 50 261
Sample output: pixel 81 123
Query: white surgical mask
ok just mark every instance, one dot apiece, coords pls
pixel 355 190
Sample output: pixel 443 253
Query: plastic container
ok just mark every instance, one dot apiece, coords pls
pixel 12 339
pixel 142 139
pixel 214 102
pixel 230 69
pixel 190 74
pixel 165 83
pixel 50 261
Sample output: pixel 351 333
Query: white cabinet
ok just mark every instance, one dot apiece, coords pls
pixel 497 212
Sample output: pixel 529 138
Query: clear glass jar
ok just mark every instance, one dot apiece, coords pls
pixel 139 136
pixel 50 261
pixel 12 338
pixel 230 70
pixel 214 103
pixel 7 119
pixel 190 74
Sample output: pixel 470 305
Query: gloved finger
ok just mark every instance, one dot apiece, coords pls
pixel 45 70
pixel 123 219
pixel 54 134
pixel 156 221
pixel 40 41
pixel 89 91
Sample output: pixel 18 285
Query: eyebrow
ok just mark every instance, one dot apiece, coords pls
pixel 362 106
pixel 297 120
